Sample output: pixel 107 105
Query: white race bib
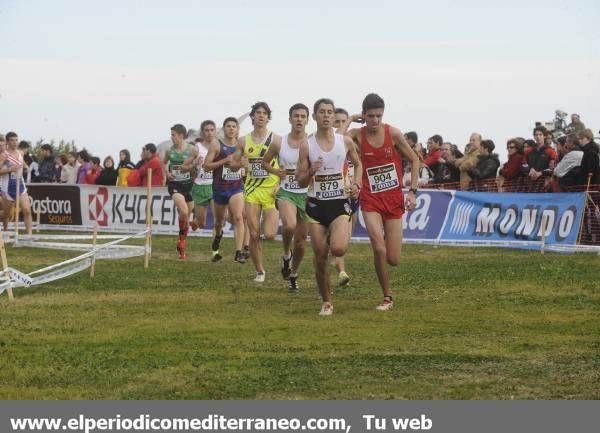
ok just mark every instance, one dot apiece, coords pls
pixel 179 175
pixel 289 181
pixel 229 174
pixel 383 178
pixel 256 168
pixel 329 186
pixel 204 175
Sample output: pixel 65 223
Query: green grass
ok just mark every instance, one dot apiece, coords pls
pixel 468 324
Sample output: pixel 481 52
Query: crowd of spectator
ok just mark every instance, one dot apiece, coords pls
pixel 540 163
pixel 84 169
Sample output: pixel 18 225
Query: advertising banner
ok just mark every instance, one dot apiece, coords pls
pixel 442 216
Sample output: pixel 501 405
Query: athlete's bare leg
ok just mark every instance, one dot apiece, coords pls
pixel 236 212
pixel 184 209
pixel 338 243
pixel 318 240
pixel 26 210
pixel 287 213
pixel 386 241
pixel 300 235
pixel 253 213
pixel 200 215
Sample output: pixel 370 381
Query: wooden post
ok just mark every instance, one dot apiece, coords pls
pixel 38 219
pixel 18 204
pixel 587 193
pixel 148 218
pixel 9 291
pixel 93 267
pixel 544 227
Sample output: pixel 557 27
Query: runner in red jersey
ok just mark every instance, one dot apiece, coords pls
pixel 381 199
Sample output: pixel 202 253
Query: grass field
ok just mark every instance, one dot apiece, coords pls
pixel 469 324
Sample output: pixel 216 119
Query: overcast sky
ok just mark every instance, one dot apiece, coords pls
pixel 118 74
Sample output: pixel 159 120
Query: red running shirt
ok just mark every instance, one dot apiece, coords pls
pixel 382 176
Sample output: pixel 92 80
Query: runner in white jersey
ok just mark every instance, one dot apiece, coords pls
pixel 202 188
pixel 11 173
pixel 291 197
pixel 322 167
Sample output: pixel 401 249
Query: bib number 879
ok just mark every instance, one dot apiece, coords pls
pixel 328 186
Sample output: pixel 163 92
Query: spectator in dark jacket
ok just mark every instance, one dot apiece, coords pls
pixel 487 162
pixel 108 175
pixel 47 166
pixel 590 162
pixel 447 171
pixel 540 158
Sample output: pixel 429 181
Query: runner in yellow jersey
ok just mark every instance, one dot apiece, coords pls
pixel 260 186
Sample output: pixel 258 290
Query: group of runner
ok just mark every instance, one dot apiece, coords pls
pixel 313 182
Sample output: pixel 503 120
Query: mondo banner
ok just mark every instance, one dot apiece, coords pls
pixel 440 216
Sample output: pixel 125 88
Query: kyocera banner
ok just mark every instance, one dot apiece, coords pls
pixel 517 217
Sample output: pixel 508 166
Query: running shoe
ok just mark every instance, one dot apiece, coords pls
pixel 260 277
pixel 239 257
pixel 326 309
pixel 216 243
pixel 181 249
pixel 194 226
pixel 343 279
pixel 246 252
pixel 293 284
pixel 216 256
pixel 386 305
pixel 285 267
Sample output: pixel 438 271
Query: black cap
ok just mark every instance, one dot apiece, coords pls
pixel 47 147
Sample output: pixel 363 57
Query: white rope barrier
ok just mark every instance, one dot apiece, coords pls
pixel 11 278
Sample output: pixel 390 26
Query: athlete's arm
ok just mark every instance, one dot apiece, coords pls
pixel 236 162
pixel 188 164
pixel 406 151
pixel 166 160
pixel 272 152
pixel 344 127
pixel 304 171
pixel 353 154
pixel 209 163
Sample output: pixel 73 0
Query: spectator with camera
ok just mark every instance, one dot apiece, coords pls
pixel 447 172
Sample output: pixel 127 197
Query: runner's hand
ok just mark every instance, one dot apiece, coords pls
pixel 411 201
pixel 315 166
